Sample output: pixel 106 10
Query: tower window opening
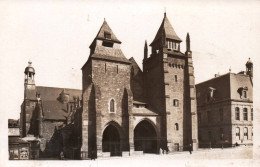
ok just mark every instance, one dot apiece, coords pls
pixel 112 105
pixel 176 78
pixel 117 69
pixel 107 35
pixel 176 126
pixel 107 44
pixel 105 67
pixel 176 103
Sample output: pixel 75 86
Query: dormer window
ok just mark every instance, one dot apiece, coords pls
pixel 107 35
pixel 243 92
pixel 211 94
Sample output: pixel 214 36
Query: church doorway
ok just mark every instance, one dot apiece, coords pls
pixel 145 138
pixel 111 141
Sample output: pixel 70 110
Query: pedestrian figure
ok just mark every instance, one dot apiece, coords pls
pixel 61 156
pixel 167 150
pixel 92 155
pixel 161 151
pixel 190 149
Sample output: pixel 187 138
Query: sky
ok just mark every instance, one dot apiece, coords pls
pixel 55 36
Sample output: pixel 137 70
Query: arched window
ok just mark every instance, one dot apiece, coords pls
pixel 237 112
pixel 176 126
pixel 245 114
pixel 245 133
pixel 112 105
pixel 237 133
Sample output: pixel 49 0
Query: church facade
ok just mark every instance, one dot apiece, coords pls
pixel 126 110
pixel 121 110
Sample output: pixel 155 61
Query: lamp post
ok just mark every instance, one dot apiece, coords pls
pixel 222 136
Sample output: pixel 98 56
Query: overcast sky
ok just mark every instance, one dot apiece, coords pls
pixel 55 36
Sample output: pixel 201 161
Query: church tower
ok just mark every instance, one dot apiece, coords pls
pixel 168 79
pixel 31 109
pixel 107 98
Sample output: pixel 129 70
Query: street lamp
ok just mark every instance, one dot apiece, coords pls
pixel 222 136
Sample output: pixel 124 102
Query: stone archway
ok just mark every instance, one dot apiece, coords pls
pixel 145 137
pixel 111 141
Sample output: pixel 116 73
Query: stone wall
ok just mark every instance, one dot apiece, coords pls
pixel 174 90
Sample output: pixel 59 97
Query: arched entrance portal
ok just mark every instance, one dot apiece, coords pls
pixel 145 138
pixel 111 141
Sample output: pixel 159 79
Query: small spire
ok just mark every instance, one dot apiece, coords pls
pixel 164 11
pixel 104 19
pixel 230 69
pixel 145 50
pixel 188 42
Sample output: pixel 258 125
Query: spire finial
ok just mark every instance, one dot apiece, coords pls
pixel 188 42
pixel 230 69
pixel 164 11
pixel 29 63
pixel 104 19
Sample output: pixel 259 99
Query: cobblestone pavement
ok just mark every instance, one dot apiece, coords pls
pixel 241 152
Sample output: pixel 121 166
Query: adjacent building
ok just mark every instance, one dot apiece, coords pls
pixel 225 109
pixel 47 114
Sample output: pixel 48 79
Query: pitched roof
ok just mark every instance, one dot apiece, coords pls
pixel 166 28
pixel 226 88
pixel 106 29
pixel 135 66
pixel 52 93
pixel 52 108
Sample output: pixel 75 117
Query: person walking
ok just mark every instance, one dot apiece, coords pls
pixel 190 149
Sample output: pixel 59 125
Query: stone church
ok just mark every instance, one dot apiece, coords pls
pixel 121 110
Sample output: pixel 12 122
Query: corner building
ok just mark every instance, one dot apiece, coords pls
pixel 225 109
pixel 127 111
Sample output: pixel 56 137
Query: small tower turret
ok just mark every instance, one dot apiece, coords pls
pixel 249 68
pixel 29 83
pixel 29 74
pixel 145 50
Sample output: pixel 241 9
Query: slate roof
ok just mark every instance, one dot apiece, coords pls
pixel 107 53
pixel 168 29
pixel 143 112
pixel 52 93
pixel 106 29
pixel 53 109
pixel 111 58
pixel 226 86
